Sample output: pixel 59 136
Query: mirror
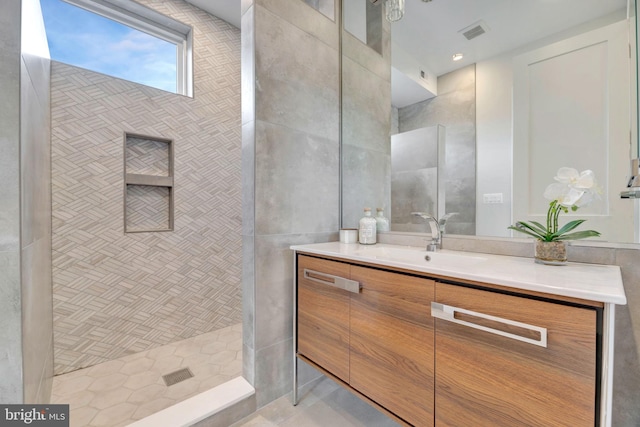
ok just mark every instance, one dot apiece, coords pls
pixel 326 7
pixel 529 96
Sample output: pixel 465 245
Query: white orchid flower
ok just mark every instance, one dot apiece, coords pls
pixel 555 191
pixel 564 194
pixel 573 190
pixel 586 199
pixel 571 177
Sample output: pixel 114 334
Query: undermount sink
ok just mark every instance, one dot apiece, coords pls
pixel 442 259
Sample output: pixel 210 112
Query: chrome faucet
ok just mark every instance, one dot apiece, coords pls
pixel 435 230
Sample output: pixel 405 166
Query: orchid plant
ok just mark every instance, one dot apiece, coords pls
pixel 572 190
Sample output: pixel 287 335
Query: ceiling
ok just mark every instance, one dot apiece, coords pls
pixel 227 10
pixel 430 31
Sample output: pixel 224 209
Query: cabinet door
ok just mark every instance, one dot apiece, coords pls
pixel 487 379
pixel 323 315
pixel 392 343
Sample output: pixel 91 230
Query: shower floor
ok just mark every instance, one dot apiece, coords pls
pixel 121 391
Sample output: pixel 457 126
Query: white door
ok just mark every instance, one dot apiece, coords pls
pixel 571 108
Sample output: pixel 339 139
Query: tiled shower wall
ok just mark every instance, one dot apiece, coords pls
pixel 35 201
pixel 26 358
pixel 116 293
pixel 366 120
pixel 290 144
pixel 148 207
pixel 10 309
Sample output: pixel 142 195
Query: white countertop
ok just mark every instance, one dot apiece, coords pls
pixel 586 281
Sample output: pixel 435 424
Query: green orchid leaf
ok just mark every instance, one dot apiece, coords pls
pixel 569 226
pixel 527 229
pixel 540 227
pixel 579 235
pixel 522 224
pixel 527 232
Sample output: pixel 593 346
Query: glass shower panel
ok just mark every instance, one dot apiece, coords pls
pixel 417 181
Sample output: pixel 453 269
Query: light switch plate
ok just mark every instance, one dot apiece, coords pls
pixel 492 198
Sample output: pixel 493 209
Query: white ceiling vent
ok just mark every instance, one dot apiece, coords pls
pixel 474 30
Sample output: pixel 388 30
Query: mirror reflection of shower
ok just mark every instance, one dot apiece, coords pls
pixel 417 180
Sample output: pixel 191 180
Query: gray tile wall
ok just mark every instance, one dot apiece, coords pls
pixel 626 379
pixel 26 364
pixel 454 107
pixel 366 123
pixel 116 293
pixel 11 388
pixel 37 313
pixel 290 158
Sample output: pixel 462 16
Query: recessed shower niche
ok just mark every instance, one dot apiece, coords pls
pixel 148 183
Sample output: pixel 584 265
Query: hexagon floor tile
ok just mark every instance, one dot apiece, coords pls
pixel 121 391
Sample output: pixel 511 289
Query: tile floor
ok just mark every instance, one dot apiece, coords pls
pixel 326 404
pixel 121 391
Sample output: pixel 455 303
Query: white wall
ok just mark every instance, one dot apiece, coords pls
pixel 493 144
pixel 494 130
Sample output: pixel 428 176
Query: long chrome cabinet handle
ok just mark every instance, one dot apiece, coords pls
pixel 331 280
pixel 447 312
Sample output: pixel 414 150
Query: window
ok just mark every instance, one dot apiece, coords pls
pixel 122 39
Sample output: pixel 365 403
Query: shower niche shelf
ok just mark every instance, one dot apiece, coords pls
pixel 148 183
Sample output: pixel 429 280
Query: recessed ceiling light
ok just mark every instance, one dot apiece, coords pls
pixel 457 56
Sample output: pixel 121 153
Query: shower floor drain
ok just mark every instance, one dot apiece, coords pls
pixel 177 376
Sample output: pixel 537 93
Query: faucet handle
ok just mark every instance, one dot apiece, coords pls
pixel 422 215
pixel 435 230
pixel 444 218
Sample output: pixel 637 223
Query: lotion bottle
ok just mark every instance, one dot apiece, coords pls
pixel 367 229
pixel 382 221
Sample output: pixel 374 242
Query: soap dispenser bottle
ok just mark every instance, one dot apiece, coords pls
pixel 367 230
pixel 382 222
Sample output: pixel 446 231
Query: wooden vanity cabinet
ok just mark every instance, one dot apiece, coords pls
pixel 391 356
pixel 485 379
pixel 323 315
pixel 432 353
pixel 376 338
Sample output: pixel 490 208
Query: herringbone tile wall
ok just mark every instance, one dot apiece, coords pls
pixel 147 208
pixel 147 157
pixel 117 294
